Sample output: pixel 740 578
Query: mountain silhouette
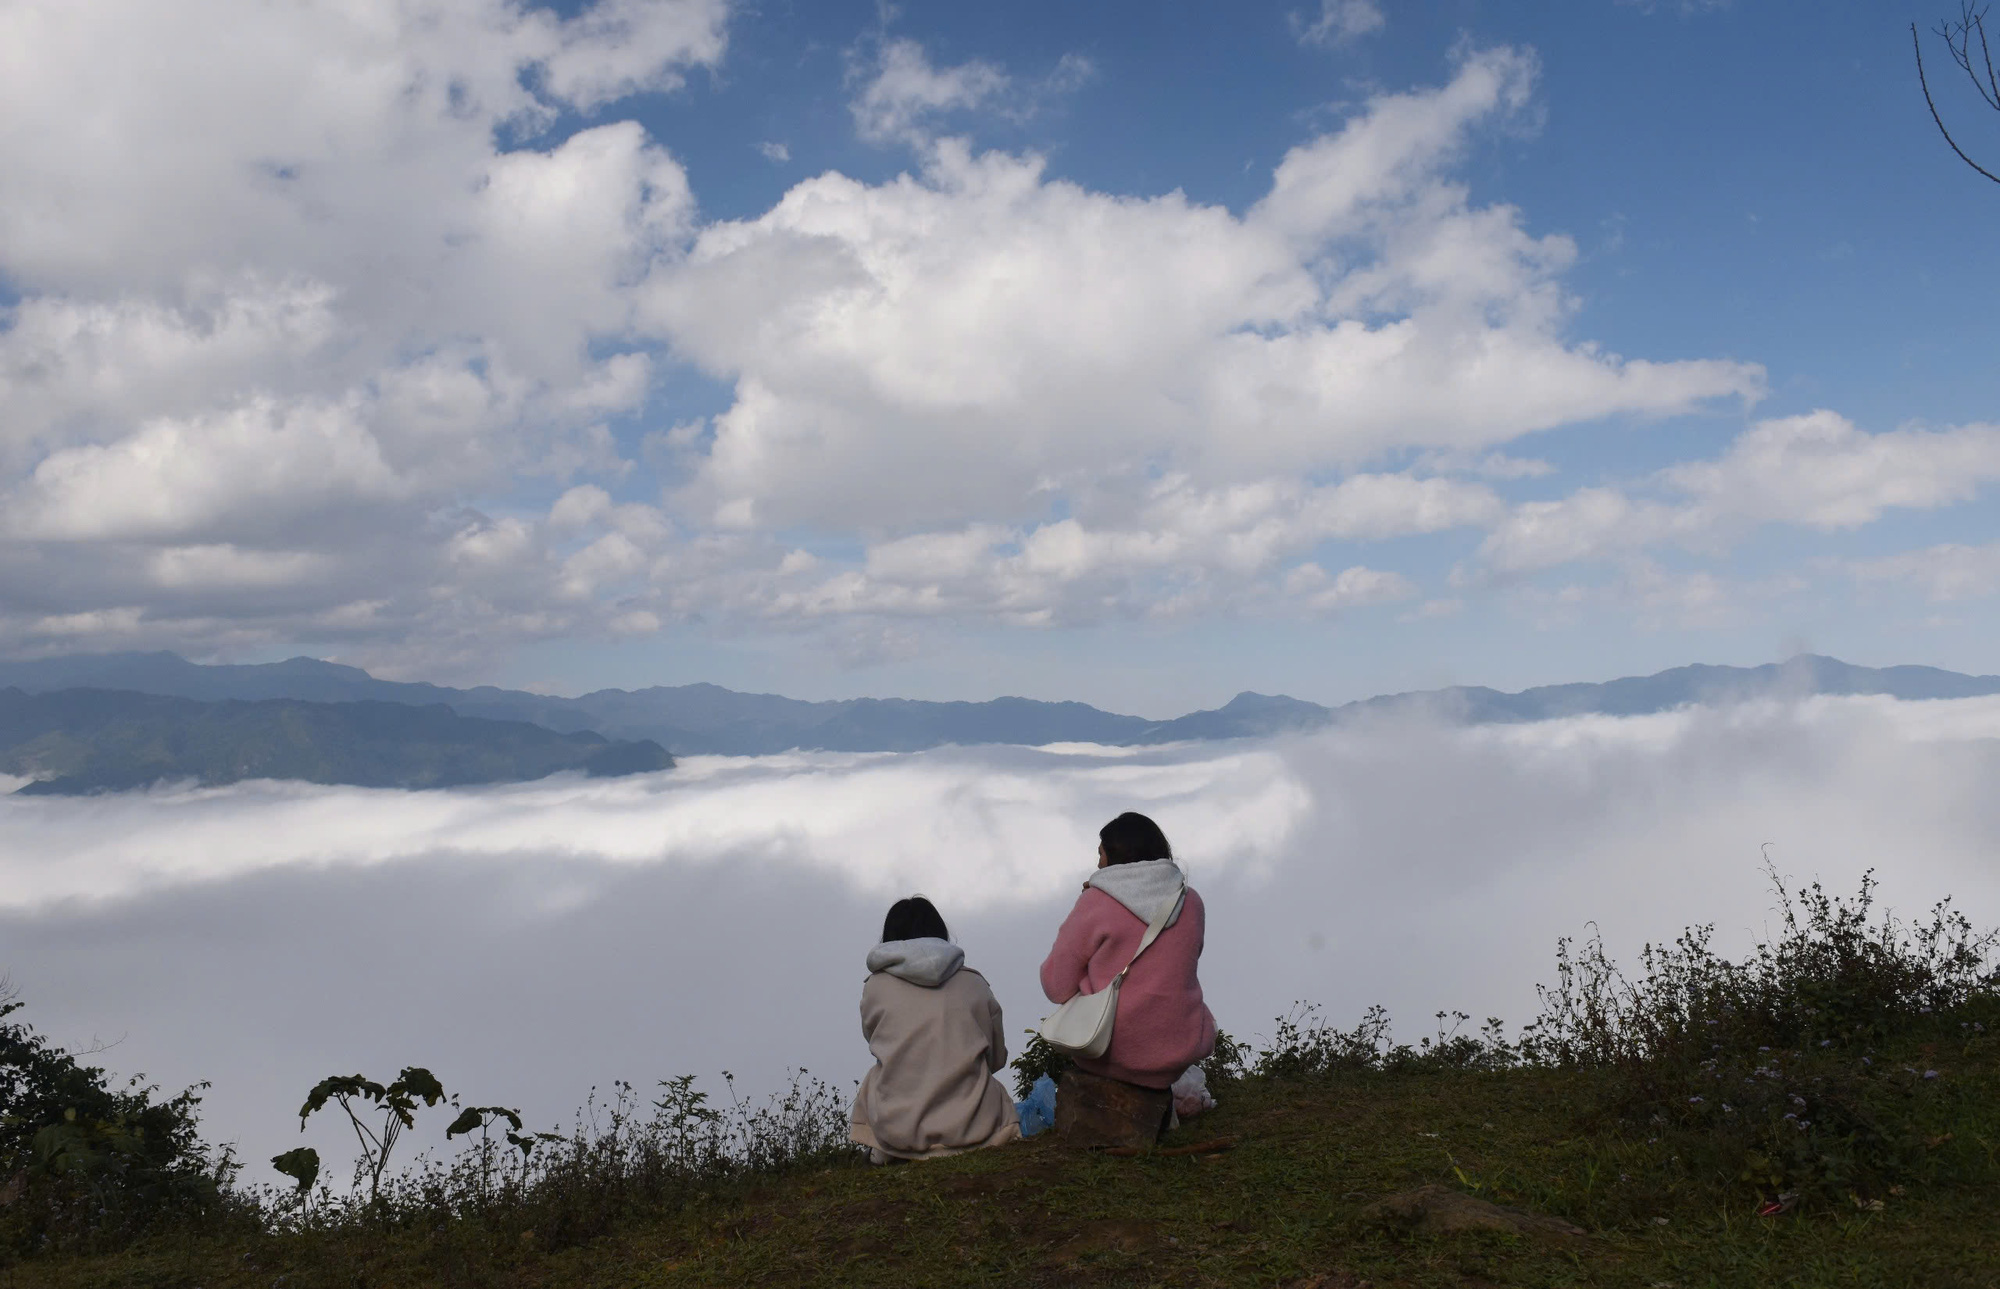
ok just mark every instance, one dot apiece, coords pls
pixel 79 740
pixel 709 719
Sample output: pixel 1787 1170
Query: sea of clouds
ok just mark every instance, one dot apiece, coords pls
pixel 531 942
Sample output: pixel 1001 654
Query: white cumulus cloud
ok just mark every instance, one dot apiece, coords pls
pixel 1337 22
pixel 287 297
pixel 904 92
pixel 1943 573
pixel 956 344
pixel 333 331
pixel 1818 470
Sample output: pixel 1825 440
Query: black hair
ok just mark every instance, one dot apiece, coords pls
pixel 1132 838
pixel 913 919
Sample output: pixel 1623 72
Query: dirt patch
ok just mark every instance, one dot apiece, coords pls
pixel 746 1225
pixel 875 1228
pixel 1442 1211
pixel 1027 1181
pixel 973 1187
pixel 880 1209
pixel 1098 1239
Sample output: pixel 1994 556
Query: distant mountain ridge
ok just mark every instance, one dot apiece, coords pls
pixel 77 740
pixel 708 719
pixel 1799 676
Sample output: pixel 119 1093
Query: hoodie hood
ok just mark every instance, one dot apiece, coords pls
pixel 1145 887
pixel 928 962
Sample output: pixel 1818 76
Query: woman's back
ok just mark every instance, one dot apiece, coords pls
pixel 937 1035
pixel 1162 1025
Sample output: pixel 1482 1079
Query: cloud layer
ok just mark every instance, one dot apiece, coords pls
pixel 530 941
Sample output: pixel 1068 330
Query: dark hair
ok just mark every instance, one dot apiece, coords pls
pixel 913 919
pixel 1132 838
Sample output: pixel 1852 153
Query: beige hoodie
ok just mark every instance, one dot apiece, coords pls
pixel 935 1029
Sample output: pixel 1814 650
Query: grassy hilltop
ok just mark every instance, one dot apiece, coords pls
pixel 1283 1208
pixel 1825 1112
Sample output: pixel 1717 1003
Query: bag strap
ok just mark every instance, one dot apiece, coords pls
pixel 1153 928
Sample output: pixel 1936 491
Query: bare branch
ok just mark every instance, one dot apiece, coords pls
pixel 1957 39
pixel 1991 90
pixel 1917 44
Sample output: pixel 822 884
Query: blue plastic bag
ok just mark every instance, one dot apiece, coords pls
pixel 1039 1110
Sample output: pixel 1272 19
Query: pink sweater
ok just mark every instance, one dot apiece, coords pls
pixel 1162 1025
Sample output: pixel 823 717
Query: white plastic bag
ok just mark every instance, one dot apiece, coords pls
pixel 1191 1093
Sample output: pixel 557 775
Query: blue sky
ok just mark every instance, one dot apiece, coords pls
pixel 949 351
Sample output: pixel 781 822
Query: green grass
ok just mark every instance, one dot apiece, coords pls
pixel 1283 1208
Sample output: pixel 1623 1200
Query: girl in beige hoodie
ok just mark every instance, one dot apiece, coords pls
pixel 934 1027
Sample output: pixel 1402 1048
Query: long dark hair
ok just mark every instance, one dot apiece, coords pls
pixel 1132 838
pixel 914 919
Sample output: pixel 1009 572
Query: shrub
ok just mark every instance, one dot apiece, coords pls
pixel 85 1164
pixel 1835 978
pixel 1305 1045
pixel 1796 1060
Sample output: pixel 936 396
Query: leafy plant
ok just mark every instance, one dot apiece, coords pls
pixel 481 1119
pixel 91 1164
pixel 1227 1063
pixel 1223 1066
pixel 397 1103
pixel 1037 1058
pixel 302 1166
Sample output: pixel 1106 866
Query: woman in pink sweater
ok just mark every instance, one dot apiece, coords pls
pixel 1162 1026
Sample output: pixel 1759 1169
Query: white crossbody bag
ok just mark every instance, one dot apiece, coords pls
pixel 1082 1026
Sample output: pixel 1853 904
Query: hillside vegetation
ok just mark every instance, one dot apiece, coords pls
pixel 93 740
pixel 1824 1112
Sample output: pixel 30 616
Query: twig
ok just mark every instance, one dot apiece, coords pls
pixel 1917 44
